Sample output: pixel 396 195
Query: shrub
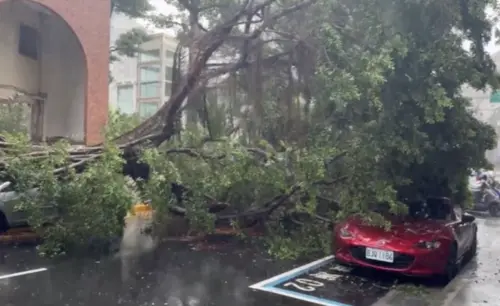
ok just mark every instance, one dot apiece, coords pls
pixel 89 207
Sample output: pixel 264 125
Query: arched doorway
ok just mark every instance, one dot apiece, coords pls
pixel 44 54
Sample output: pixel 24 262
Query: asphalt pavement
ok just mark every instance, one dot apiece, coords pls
pixel 477 284
pixel 178 275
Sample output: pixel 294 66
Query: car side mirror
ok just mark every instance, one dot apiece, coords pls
pixel 468 218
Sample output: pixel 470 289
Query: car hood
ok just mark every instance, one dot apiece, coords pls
pixel 402 231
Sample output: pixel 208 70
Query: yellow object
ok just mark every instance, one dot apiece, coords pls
pixel 141 208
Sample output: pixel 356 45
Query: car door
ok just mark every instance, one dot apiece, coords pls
pixel 8 202
pixel 462 229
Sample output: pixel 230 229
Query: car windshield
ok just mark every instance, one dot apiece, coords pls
pixel 435 209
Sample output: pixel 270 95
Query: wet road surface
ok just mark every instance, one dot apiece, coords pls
pixel 175 275
pixel 477 284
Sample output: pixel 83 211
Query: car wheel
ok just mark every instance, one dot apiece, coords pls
pixel 494 209
pixel 4 225
pixel 452 267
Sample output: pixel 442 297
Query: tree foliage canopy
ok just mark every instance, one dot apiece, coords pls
pixel 299 113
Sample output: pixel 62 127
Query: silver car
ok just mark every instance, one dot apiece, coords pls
pixel 10 216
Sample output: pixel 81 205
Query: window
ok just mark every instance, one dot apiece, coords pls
pixel 169 73
pixel 147 109
pixel 168 89
pixel 149 81
pixel 169 54
pixel 149 89
pixel 125 99
pixel 149 56
pixel 150 73
pixel 439 209
pixel 28 42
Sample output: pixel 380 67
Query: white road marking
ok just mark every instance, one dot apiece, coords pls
pixel 302 297
pixel 268 285
pixel 291 273
pixel 453 288
pixel 458 285
pixel 22 273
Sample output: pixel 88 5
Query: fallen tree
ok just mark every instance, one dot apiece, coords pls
pixel 256 18
pixel 330 108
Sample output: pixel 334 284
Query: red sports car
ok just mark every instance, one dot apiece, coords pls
pixel 432 239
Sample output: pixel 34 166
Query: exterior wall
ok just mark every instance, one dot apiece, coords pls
pixel 58 49
pixel 77 55
pixel 17 70
pixel 65 88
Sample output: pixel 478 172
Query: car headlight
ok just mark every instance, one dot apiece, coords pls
pixel 430 245
pixel 345 233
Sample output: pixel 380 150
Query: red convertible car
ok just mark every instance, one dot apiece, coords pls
pixel 433 239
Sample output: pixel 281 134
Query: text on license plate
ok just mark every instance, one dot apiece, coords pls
pixel 380 255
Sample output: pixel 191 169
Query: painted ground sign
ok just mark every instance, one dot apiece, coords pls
pixel 323 282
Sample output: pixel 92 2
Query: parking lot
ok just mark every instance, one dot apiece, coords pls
pixel 177 275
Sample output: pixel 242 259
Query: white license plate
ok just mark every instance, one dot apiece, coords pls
pixel 379 255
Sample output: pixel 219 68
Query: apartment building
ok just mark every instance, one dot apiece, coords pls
pixel 143 83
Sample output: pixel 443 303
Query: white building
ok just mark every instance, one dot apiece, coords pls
pixel 141 84
pixel 486 107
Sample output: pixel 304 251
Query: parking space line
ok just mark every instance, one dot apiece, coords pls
pixel 302 297
pixel 292 273
pixel 22 273
pixel 268 285
pixel 457 286
pixel 453 288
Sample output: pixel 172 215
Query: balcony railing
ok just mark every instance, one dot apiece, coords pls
pixel 22 111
